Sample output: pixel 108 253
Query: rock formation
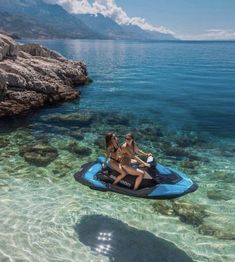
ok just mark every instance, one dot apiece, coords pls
pixel 32 76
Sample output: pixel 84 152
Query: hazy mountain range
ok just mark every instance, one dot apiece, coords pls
pixel 37 19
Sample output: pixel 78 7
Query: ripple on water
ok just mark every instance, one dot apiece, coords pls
pixel 41 206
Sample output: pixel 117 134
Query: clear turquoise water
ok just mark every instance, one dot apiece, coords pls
pixel 185 85
pixel 185 89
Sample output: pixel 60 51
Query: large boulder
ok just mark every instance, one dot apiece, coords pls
pixel 8 47
pixel 3 85
pixel 38 50
pixel 36 74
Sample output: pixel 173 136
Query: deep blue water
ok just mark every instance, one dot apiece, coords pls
pixel 184 85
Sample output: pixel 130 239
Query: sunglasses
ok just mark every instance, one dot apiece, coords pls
pixel 128 138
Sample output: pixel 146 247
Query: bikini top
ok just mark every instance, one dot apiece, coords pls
pixel 114 149
pixel 127 155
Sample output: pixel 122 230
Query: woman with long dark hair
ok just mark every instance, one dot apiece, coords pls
pixel 113 152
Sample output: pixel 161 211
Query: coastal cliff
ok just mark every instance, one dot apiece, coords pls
pixel 32 76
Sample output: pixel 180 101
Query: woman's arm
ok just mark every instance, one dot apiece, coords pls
pixel 141 161
pixel 141 152
pixel 136 157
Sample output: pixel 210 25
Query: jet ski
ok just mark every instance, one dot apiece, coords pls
pixel 160 182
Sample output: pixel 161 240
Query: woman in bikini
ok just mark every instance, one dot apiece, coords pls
pixel 129 153
pixel 113 152
pixel 132 146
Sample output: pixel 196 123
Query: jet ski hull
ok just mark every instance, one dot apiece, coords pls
pixel 167 183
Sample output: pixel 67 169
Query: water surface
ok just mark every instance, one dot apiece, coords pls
pixel 172 96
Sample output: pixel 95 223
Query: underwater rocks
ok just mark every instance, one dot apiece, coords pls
pixel 189 164
pixel 188 140
pixel 74 148
pixel 118 120
pixel 100 143
pixel 163 207
pixel 220 231
pixel 189 213
pixel 32 76
pixel 220 175
pixel 151 133
pixel 78 135
pixel 62 168
pixel 175 151
pixel 74 119
pixel 218 194
pixel 227 151
pixel 3 142
pixel 39 154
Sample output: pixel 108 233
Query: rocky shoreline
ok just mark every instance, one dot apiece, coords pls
pixel 32 76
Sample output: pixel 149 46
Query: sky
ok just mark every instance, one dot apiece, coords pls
pixel 185 19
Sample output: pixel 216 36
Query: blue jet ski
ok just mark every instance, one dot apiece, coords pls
pixel 160 182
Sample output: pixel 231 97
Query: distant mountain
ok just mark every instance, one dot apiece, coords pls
pixel 19 25
pixel 46 16
pixel 102 25
pixel 137 33
pixel 37 19
pixel 110 29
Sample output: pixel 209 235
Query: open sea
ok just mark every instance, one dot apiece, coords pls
pixel 178 99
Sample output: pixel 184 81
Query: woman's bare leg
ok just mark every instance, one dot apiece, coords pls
pixel 139 173
pixel 120 170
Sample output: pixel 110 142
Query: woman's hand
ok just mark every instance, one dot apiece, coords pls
pixel 149 154
pixel 146 165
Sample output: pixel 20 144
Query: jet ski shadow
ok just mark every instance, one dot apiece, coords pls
pixel 122 243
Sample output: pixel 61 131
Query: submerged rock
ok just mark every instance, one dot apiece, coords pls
pixel 100 143
pixel 39 154
pixel 188 140
pixel 75 119
pixel 152 133
pixel 163 207
pixel 189 164
pixel 3 142
pixel 32 76
pixel 78 135
pixel 218 194
pixel 117 120
pixel 222 176
pixel 79 151
pixel 189 213
pixel 175 151
pixel 217 230
pixel 62 168
pixel 227 151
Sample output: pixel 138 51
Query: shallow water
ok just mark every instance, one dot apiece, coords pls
pixel 164 93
